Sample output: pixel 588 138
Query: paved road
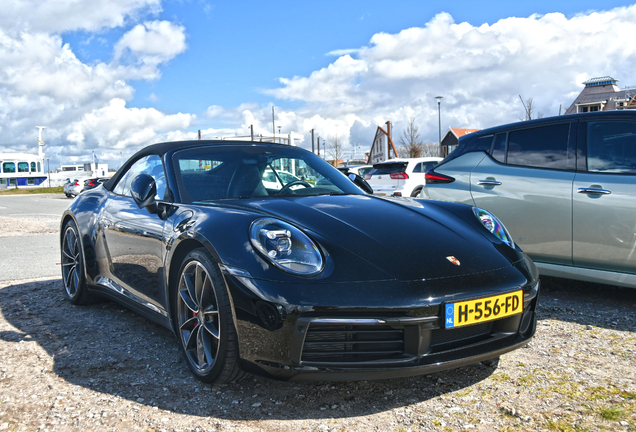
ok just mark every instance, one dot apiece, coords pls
pixel 32 255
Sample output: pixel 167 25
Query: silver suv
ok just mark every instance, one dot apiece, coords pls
pixel 564 186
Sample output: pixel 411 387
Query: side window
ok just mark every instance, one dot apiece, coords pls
pixel 611 147
pixel 23 167
pixel 8 167
pixel 499 149
pixel 418 168
pixel 32 166
pixel 540 147
pixel 150 165
pixel 429 166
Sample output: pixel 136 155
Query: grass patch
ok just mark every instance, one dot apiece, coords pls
pixel 529 378
pixel 564 426
pixel 33 191
pixel 500 377
pixel 463 393
pixel 612 413
pixel 599 392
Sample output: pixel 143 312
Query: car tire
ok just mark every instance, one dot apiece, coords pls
pixel 204 321
pixel 73 266
pixel 416 192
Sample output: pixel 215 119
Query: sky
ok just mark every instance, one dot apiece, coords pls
pixel 112 77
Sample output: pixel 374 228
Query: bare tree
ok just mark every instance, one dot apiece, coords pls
pixel 430 149
pixel 410 142
pixel 335 150
pixel 530 107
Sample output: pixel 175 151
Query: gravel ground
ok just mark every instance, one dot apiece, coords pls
pixel 103 368
pixel 13 226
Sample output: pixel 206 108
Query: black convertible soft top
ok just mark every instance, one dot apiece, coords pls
pixel 160 149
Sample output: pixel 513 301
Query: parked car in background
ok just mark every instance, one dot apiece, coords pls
pixel 72 188
pixel 67 184
pixel 400 177
pixel 276 179
pixel 94 182
pixel 360 170
pixel 293 283
pixel 565 186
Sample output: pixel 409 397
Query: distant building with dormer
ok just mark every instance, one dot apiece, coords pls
pixel 451 138
pixel 602 94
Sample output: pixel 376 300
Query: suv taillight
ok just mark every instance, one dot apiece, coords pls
pixel 400 176
pixel 367 176
pixel 434 178
pixel 76 183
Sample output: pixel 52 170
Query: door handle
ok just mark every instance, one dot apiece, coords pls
pixel 594 191
pixel 489 183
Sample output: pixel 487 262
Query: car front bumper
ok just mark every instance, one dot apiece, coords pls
pixel 310 337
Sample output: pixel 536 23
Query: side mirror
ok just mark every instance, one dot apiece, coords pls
pixel 143 190
pixel 361 183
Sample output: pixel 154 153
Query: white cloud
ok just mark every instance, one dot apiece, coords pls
pixel 117 127
pixel 152 42
pixel 57 16
pixel 480 71
pixel 341 52
pixel 83 105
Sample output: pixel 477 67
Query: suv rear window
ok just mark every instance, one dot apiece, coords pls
pixel 470 143
pixel 388 168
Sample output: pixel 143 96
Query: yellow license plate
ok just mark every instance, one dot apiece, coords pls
pixel 483 309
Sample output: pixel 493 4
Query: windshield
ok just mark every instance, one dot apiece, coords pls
pixel 216 172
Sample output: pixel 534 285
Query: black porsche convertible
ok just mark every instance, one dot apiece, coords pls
pixel 264 258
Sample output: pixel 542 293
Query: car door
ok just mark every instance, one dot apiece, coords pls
pixel 134 238
pixel 526 181
pixel 604 211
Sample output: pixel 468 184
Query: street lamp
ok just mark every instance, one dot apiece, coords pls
pixel 439 118
pixel 278 133
pixel 48 170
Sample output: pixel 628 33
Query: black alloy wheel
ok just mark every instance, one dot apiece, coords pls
pixel 416 192
pixel 73 276
pixel 204 320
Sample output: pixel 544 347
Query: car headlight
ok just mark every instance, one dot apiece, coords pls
pixel 285 246
pixel 494 225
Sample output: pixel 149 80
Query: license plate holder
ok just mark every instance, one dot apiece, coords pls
pixel 459 314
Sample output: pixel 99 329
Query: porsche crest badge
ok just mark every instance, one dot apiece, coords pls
pixel 453 260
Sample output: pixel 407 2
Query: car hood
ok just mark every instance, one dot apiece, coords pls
pixel 405 238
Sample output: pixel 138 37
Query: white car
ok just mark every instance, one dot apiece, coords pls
pixel 361 170
pixel 72 188
pixel 277 180
pixel 400 177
